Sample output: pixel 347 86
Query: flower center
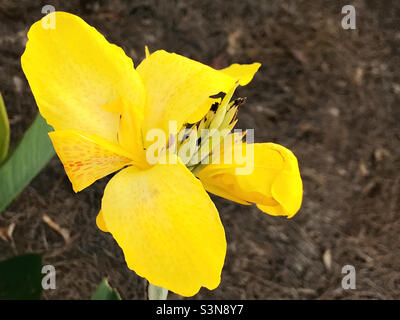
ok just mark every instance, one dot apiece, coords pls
pixel 197 142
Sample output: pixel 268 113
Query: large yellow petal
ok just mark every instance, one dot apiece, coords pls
pixel 177 89
pixel 243 73
pixel 274 183
pixel 129 131
pixel 87 158
pixel 100 222
pixel 167 227
pixel 73 71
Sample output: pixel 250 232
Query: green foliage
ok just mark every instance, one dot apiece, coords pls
pixel 105 292
pixel 4 131
pixel 21 278
pixel 26 161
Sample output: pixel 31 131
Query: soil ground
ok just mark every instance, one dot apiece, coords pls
pixel 330 95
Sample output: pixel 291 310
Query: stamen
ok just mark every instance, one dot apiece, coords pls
pixel 201 138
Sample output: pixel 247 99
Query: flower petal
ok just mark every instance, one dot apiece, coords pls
pixel 177 89
pixel 87 158
pixel 130 124
pixel 73 71
pixel 167 227
pixel 274 183
pixel 243 73
pixel 100 222
pixel 287 188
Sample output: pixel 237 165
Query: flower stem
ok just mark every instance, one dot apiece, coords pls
pixel 156 293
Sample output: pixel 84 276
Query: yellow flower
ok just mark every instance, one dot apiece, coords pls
pixel 101 108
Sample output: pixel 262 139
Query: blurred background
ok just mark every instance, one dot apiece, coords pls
pixel 330 95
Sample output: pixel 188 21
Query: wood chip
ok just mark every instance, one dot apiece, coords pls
pixel 6 233
pixel 62 231
pixel 327 259
pixel 359 76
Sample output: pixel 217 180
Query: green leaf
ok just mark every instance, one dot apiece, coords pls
pixel 105 292
pixel 4 131
pixel 21 278
pixel 26 161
